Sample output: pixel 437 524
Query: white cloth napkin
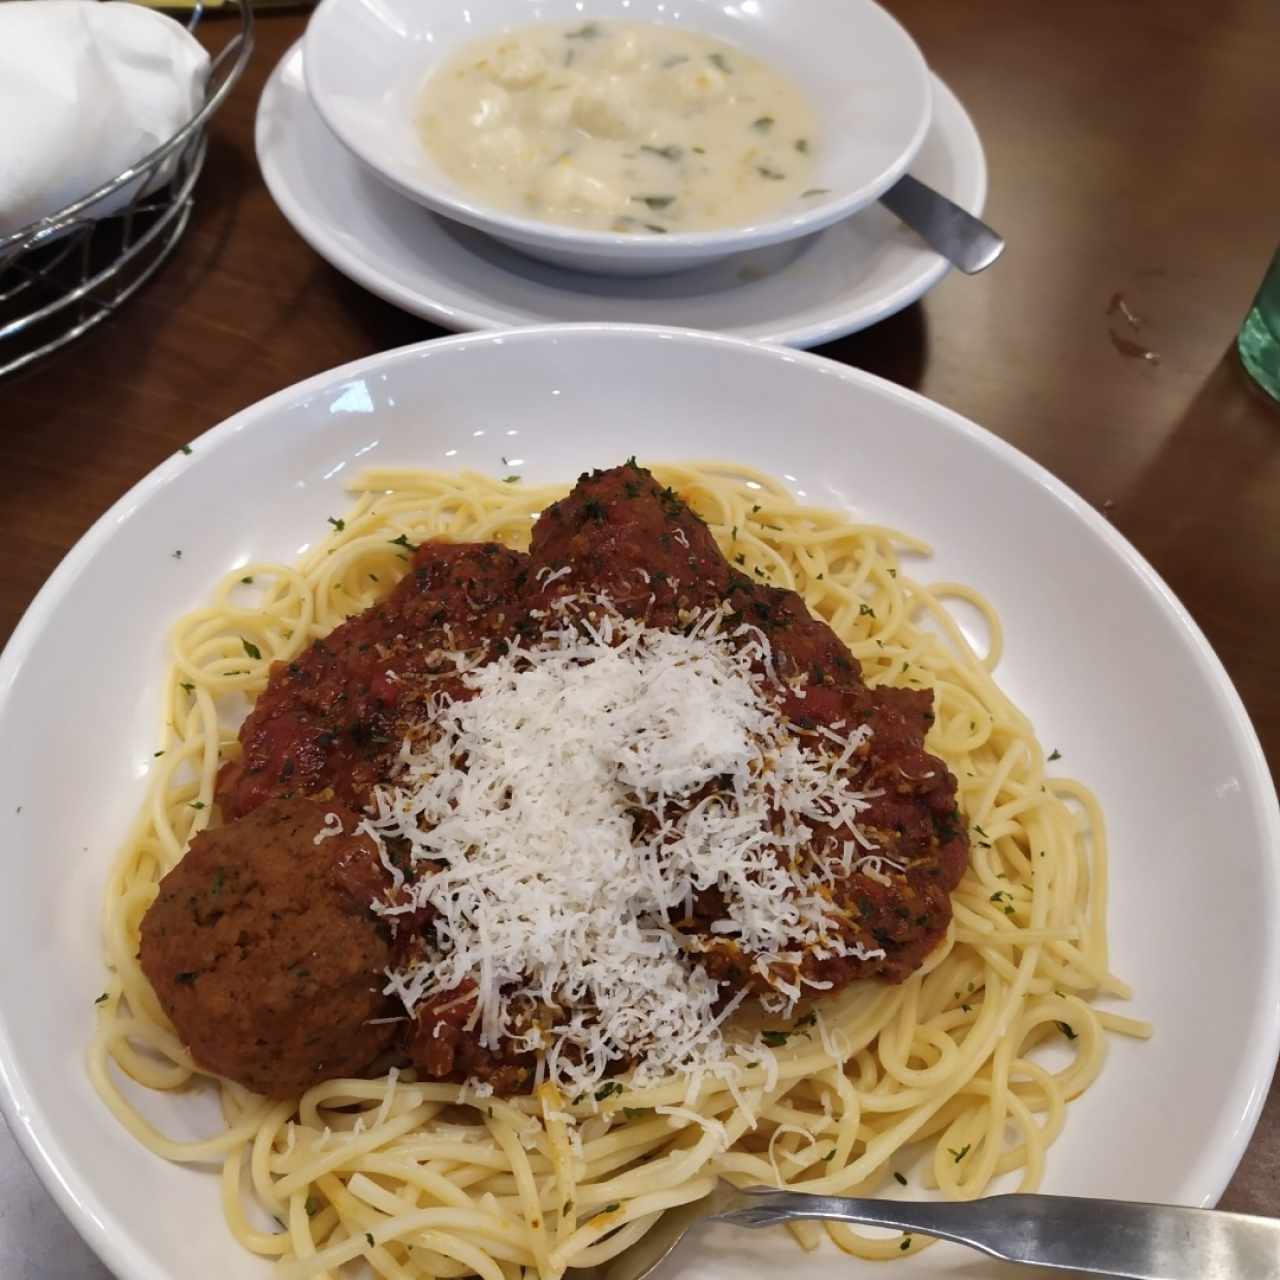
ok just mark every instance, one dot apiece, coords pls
pixel 87 89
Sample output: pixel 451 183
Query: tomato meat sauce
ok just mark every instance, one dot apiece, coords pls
pixel 328 727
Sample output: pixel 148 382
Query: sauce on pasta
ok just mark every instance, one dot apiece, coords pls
pixel 670 787
pixel 937 1078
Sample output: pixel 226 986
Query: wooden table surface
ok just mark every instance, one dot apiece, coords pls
pixel 1133 150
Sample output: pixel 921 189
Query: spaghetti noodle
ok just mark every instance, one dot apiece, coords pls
pixel 934 1077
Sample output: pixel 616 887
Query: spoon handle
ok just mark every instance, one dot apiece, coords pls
pixel 965 241
pixel 1097 1237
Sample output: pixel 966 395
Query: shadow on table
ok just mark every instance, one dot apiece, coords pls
pixel 147 315
pixel 384 325
pixel 1204 513
pixel 1220 449
pixel 896 348
pixel 1215 474
pixel 84 389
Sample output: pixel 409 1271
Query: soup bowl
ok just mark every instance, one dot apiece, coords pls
pixel 367 62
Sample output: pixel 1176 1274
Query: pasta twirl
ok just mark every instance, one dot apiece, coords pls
pixel 935 1081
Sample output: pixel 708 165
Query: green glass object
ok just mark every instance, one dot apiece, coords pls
pixel 1259 338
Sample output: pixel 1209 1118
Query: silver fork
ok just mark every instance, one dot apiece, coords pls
pixel 1095 1237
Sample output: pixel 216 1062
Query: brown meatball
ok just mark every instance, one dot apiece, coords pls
pixel 622 534
pixel 625 537
pixel 331 720
pixel 263 950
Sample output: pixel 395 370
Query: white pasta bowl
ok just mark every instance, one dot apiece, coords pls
pixel 366 64
pixel 1110 667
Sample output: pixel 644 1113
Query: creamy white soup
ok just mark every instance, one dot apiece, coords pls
pixel 620 127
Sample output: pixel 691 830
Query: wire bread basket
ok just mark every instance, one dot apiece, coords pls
pixel 66 273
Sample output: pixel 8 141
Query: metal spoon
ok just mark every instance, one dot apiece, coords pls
pixel 1095 1237
pixel 965 241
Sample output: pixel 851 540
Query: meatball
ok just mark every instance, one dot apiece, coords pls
pixel 620 533
pixel 623 536
pixel 331 719
pixel 262 945
pixel 264 952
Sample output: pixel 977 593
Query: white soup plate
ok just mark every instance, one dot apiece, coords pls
pixel 844 278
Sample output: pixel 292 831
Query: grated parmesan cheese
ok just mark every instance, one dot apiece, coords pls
pixel 709 1123
pixel 590 785
pixel 332 826
pixel 384 1110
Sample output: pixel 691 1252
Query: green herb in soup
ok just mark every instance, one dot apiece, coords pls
pixel 580 123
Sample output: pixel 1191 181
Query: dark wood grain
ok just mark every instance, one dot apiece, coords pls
pixel 1132 150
